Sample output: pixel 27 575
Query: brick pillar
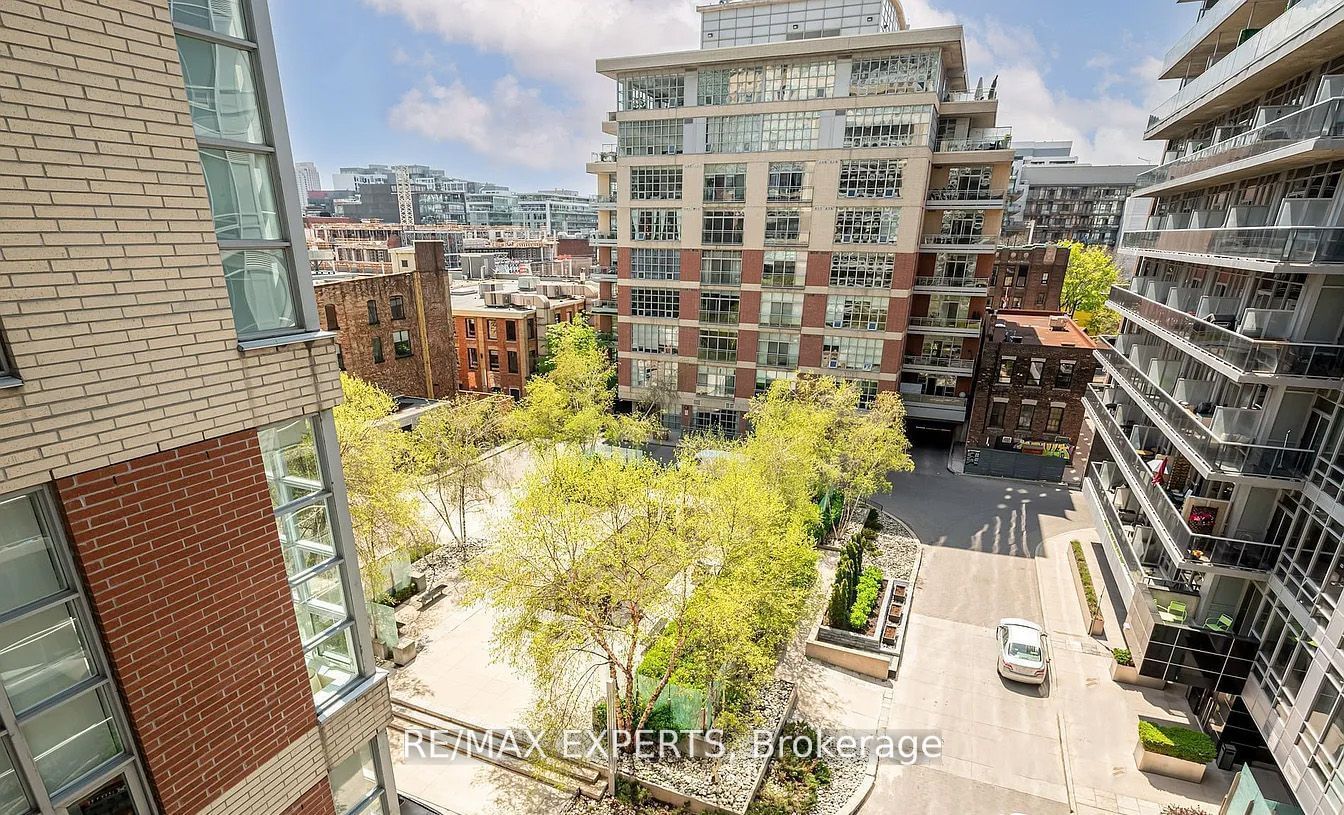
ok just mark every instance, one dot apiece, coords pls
pixel 182 562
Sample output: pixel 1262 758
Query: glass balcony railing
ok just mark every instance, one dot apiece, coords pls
pixel 934 399
pixel 1178 638
pixel 947 363
pixel 977 95
pixel 1280 244
pixel 995 138
pixel 1196 548
pixel 1263 357
pixel 953 282
pixel 605 236
pixel 1226 457
pixel 945 322
pixel 1297 20
pixel 966 195
pixel 1323 120
pixel 605 306
pixel 945 239
pixel 788 195
pixel 1212 19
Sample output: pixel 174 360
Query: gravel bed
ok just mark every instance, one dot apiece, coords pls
pixel 846 777
pixel 727 782
pixel 444 564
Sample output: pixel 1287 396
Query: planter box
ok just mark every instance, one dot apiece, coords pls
pixel 1178 768
pixel 1129 675
pixel 866 663
pixel 1096 626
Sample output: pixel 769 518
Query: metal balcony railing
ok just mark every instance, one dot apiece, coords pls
pixel 608 153
pixel 1322 120
pixel 949 194
pixel 945 322
pixel 997 138
pixel 1228 458
pixel 1197 548
pixel 949 363
pixel 1212 18
pixel 787 239
pixel 977 95
pixel 1265 357
pixel 724 196
pixel 934 399
pixel 1281 244
pixel 604 236
pixel 604 306
pixel 952 282
pixel 1296 20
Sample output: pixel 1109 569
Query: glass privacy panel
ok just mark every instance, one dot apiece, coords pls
pixel 221 91
pixel 72 739
pixel 289 453
pixel 13 798
pixel 41 655
pixel 260 291
pixel 242 195
pixel 353 780
pixel 220 16
pixel 28 566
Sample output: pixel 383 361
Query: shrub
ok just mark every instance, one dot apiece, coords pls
pixel 795 774
pixel 1089 592
pixel 660 718
pixel 1177 742
pixel 845 589
pixel 395 597
pixel 1123 656
pixel 869 590
pixel 871 521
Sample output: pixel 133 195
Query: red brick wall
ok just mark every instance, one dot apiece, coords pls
pixel 316 801
pixel 182 562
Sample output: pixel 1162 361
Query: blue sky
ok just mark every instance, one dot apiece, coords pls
pixel 504 90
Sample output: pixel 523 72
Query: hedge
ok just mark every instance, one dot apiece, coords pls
pixel 1177 742
pixel 1085 574
pixel 870 587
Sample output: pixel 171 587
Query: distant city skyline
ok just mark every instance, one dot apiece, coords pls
pixel 506 89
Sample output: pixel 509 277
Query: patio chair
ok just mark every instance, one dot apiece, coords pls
pixel 1223 624
pixel 1173 613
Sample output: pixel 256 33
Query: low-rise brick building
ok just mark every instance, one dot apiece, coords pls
pixel 1028 277
pixel 501 326
pixel 1027 403
pixel 395 330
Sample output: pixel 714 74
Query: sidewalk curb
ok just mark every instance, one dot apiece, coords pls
pixel 869 782
pixel 1068 765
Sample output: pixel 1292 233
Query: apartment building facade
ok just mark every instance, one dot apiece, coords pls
pixel 180 608
pixel 813 190
pixel 1074 202
pixel 1030 277
pixel 501 330
pixel 1220 496
pixel 395 330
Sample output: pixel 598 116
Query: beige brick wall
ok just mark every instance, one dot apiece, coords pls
pixel 277 784
pixel 112 294
pixel 356 721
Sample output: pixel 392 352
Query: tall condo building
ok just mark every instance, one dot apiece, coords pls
pixel 1222 499
pixel 182 628
pixel 813 190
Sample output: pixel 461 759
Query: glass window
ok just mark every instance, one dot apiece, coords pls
pixel 784 226
pixel 220 16
pixel 723 227
pixel 1035 371
pixel 72 739
pixel 492 329
pixel 655 183
pixel 331 666
pixel 41 655
pixel 874 178
pixel 655 264
pixel 470 326
pixel 852 353
pixel 789 181
pixel 30 570
pixel 378 349
pixel 725 182
pixel 781 309
pixel 373 316
pixel 866 270
pixel 900 72
pixel 862 313
pixel 354 779
pixel 242 194
pixel 654 339
pixel 13 798
pixel 655 303
pixel 473 358
pixel 718 345
pixel 770 131
pixel 721 268
pixel 261 291
pixel 868 225
pixel 306 539
pixel 1055 423
pixel 784 270
pixel 778 350
pixel 492 359
pixel 655 224
pixel 1064 374
pixel 653 373
pixel 401 343
pixel 398 306
pixel 1026 416
pixel 996 413
pixel 511 331
pixel 651 92
pixel 888 127
pixel 289 454
pixel 719 307
pixel 512 357
pixel 715 381
pixel 661 137
pixel 221 91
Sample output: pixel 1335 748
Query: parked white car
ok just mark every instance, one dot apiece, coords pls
pixel 1024 651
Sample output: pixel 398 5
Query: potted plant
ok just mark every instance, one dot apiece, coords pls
pixel 1174 751
pixel 1125 672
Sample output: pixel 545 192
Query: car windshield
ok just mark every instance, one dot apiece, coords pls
pixel 1022 650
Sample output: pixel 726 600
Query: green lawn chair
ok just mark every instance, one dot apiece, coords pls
pixel 1173 613
pixel 1223 624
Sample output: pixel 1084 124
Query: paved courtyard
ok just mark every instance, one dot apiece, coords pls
pixel 1000 549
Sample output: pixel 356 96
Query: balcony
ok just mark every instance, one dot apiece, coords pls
pixel 961 367
pixel 949 198
pixel 603 307
pixel 945 325
pixel 932 406
pixel 1175 635
pixel 940 241
pixel 607 155
pixel 787 239
pixel 1296 245
pixel 1320 121
pixel 725 195
pixel 1213 22
pixel 788 195
pixel 1223 349
pixel 975 286
pixel 993 138
pixel 606 202
pixel 1307 20
pixel 1189 549
pixel 604 238
pixel 1212 455
pixel 602 273
pixel 977 95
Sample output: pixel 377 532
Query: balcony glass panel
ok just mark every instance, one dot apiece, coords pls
pixel 1266 460
pixel 1284 244
pixel 1139 473
pixel 1243 353
pixel 990 138
pixel 1322 120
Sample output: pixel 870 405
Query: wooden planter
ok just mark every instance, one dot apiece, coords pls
pixel 1129 675
pixel 1178 768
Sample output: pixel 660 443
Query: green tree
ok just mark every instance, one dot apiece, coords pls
pixel 1102 323
pixel 384 512
pixel 1087 283
pixel 572 403
pixel 869 446
pixel 447 455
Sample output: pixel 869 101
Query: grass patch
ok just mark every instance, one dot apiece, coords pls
pixel 1089 591
pixel 1177 742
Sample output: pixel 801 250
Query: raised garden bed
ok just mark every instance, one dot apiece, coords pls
pixel 1087 592
pixel 1125 672
pixel 1173 751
